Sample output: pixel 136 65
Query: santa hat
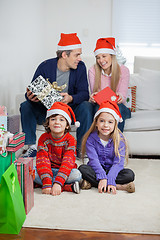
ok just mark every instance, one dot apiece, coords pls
pixel 64 110
pixel 105 45
pixel 110 107
pixel 69 42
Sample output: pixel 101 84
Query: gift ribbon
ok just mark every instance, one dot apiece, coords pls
pixel 32 172
pixel 46 91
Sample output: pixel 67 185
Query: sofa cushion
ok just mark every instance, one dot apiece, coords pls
pixel 143 120
pixel 148 90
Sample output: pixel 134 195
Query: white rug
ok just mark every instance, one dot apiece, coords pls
pixel 138 212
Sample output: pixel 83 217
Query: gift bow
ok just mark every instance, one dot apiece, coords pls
pixel 48 89
pixel 32 172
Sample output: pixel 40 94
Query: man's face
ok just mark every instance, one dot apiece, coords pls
pixel 74 58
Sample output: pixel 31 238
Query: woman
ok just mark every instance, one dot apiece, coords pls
pixel 107 72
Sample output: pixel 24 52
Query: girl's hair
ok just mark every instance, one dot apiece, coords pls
pixel 116 135
pixel 47 128
pixel 115 75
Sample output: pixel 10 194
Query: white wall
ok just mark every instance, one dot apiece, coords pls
pixel 30 31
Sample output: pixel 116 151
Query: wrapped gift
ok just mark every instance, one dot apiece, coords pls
pixel 16 142
pixel 45 91
pixel 3 117
pixel 4 139
pixel 104 95
pixel 6 159
pixel 26 175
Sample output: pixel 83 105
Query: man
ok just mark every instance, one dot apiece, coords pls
pixel 67 68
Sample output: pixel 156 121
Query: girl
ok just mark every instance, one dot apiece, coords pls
pixel 56 155
pixel 107 151
pixel 108 73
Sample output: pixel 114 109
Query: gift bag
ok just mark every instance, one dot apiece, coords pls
pixel 16 142
pixel 6 159
pixel 26 175
pixel 12 211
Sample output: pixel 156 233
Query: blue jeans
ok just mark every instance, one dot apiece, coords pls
pixel 31 115
pixel 125 112
pixel 74 176
pixel 83 113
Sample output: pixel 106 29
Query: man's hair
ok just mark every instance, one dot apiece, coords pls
pixel 59 53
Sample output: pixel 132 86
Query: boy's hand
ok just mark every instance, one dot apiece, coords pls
pixel 111 189
pixel 102 185
pixel 46 191
pixel 56 189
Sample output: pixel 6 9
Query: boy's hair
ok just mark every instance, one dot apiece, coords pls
pixel 47 128
pixel 115 76
pixel 59 53
pixel 116 135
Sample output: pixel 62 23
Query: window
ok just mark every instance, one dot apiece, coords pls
pixel 136 27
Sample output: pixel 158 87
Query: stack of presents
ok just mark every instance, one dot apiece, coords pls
pixel 16 179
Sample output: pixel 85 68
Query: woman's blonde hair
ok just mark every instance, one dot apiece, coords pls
pixel 115 75
pixel 116 136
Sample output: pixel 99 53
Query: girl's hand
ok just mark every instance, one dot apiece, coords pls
pixel 111 189
pixel 46 191
pixel 56 189
pixel 120 98
pixel 91 97
pixel 102 186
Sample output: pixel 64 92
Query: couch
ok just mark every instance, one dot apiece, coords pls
pixel 143 129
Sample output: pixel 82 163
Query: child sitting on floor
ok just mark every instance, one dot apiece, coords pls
pixel 56 169
pixel 106 148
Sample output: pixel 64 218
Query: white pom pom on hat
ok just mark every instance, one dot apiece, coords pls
pixel 64 110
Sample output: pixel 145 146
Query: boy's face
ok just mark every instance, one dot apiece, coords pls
pixel 57 125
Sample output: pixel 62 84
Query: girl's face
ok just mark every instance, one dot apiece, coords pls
pixel 105 125
pixel 105 61
pixel 57 125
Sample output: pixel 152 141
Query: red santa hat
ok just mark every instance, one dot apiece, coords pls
pixel 110 107
pixel 105 45
pixel 64 110
pixel 69 42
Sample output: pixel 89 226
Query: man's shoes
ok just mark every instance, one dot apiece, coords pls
pixel 75 187
pixel 85 185
pixel 31 152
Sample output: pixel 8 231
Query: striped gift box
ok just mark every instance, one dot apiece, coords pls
pixel 16 142
pixel 26 173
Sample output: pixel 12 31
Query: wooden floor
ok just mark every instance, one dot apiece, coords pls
pixel 45 234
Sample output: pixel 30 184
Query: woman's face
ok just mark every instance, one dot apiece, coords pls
pixel 105 61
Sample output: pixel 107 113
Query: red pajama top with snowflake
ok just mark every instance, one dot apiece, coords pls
pixel 55 153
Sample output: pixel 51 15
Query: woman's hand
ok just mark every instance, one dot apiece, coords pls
pixel 102 186
pixel 111 189
pixel 120 98
pixel 56 189
pixel 91 97
pixel 46 191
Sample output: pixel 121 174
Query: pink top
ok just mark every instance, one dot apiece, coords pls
pixel 122 88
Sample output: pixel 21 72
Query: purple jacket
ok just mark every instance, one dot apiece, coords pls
pixel 103 158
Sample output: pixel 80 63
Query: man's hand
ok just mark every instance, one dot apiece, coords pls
pixel 56 189
pixel 102 186
pixel 66 98
pixel 31 96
